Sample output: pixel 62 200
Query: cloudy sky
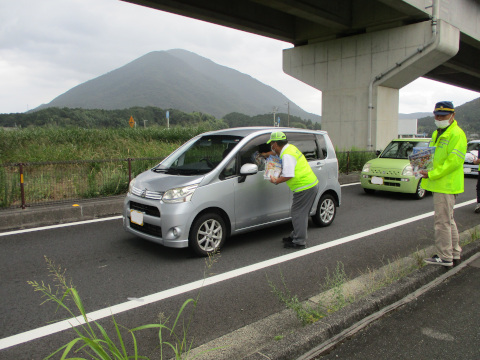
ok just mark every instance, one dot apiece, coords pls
pixel 49 46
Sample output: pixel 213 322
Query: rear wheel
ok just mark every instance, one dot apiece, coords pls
pixel 326 211
pixel 208 234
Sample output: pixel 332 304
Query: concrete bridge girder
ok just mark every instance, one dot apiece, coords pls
pixel 360 77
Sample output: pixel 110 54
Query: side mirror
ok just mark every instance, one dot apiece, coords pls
pixel 247 169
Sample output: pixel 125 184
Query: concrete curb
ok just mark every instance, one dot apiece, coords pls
pixel 60 213
pixel 257 341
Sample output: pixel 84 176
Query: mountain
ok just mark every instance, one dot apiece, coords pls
pixel 178 79
pixel 417 115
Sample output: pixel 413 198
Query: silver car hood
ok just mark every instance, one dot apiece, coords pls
pixel 161 182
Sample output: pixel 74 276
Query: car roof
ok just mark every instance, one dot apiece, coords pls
pixel 245 131
pixel 412 139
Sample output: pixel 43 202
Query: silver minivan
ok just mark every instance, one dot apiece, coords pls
pixel 213 186
pixel 469 168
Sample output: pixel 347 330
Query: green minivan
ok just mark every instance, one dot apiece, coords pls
pixel 392 171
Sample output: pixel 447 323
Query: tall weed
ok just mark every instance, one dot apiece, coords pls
pixel 94 341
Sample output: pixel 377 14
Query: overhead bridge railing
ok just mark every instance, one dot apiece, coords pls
pixel 39 183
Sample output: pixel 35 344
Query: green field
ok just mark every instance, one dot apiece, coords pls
pixel 64 164
pixel 66 144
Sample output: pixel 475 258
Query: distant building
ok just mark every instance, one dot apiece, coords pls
pixel 408 128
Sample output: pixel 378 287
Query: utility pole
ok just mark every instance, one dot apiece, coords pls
pixel 274 110
pixel 288 107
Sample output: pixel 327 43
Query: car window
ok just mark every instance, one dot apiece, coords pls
pixel 305 143
pixel 250 153
pixel 199 156
pixel 322 147
pixel 229 170
pixel 473 146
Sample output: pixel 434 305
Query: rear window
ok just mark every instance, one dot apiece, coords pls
pixel 305 143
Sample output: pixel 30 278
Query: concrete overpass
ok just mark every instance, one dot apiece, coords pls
pixel 359 53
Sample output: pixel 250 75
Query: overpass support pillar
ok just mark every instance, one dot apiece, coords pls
pixel 360 77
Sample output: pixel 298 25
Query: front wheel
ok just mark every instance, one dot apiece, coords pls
pixel 326 211
pixel 420 193
pixel 208 234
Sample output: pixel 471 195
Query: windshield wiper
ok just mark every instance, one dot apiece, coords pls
pixel 192 171
pixel 180 171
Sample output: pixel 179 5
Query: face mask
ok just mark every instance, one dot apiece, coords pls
pixel 442 124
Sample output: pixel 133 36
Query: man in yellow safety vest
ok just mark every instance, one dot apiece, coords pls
pixel 477 207
pixel 445 181
pixel 301 179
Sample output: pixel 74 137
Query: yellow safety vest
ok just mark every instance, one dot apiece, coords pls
pixel 447 175
pixel 304 177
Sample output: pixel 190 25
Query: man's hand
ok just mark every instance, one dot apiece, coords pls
pixel 424 173
pixel 267 154
pixel 273 180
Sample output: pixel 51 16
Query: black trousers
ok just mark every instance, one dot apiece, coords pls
pixel 478 188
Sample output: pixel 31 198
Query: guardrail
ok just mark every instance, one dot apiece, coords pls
pixel 39 183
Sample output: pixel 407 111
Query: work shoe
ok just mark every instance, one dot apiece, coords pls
pixel 477 208
pixel 292 245
pixel 287 239
pixel 435 260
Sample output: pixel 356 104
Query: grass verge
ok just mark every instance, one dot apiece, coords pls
pixel 338 290
pixel 93 340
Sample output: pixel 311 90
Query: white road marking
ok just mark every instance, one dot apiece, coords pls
pixel 50 227
pixel 437 334
pixel 149 299
pixel 350 184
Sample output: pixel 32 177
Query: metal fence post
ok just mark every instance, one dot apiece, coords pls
pixel 129 170
pixel 348 162
pixel 22 188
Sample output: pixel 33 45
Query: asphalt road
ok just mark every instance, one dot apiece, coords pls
pixel 109 266
pixel 424 328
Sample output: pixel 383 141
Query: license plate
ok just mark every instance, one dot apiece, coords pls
pixel 377 180
pixel 467 170
pixel 136 217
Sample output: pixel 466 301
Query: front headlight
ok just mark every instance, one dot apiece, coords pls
pixel 130 186
pixel 178 195
pixel 366 167
pixel 408 171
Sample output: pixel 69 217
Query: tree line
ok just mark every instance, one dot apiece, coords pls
pixel 144 117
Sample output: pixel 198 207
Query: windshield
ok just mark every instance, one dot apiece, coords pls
pixel 199 157
pixel 473 146
pixel 401 149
